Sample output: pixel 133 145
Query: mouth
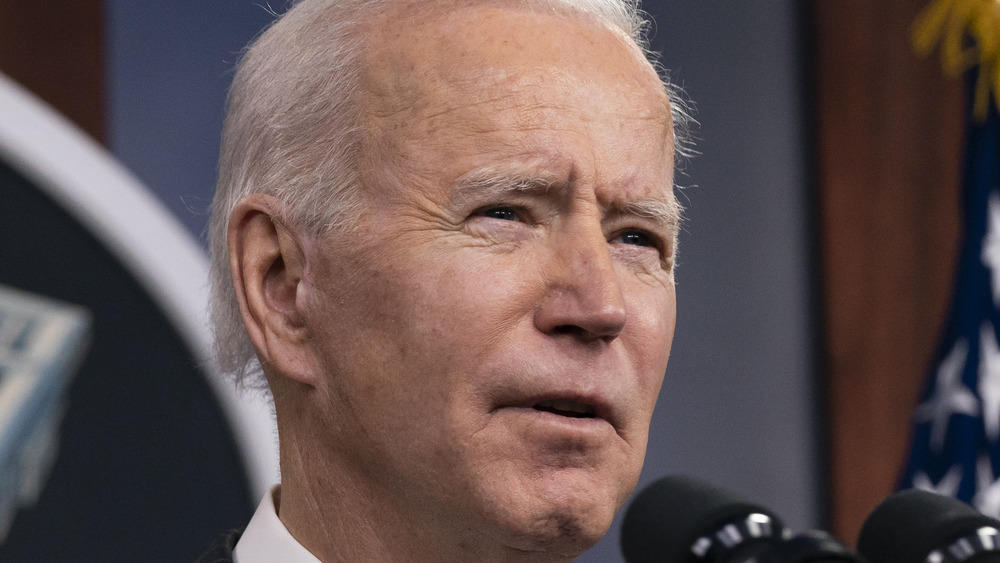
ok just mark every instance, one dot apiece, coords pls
pixel 566 407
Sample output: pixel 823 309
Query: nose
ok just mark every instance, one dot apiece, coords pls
pixel 583 297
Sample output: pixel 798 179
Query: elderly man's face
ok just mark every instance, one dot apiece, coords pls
pixel 494 335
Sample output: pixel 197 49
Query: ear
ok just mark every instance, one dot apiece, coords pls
pixel 268 263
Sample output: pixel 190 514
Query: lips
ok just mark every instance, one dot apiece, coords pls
pixel 579 407
pixel 566 407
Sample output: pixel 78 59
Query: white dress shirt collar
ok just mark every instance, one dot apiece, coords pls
pixel 267 540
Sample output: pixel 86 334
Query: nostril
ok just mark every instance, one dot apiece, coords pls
pixel 588 328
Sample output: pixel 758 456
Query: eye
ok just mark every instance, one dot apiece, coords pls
pixel 501 213
pixel 637 238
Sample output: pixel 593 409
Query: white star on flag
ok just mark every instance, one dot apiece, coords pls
pixel 950 396
pixel 947 486
pixel 990 255
pixel 989 380
pixel 987 499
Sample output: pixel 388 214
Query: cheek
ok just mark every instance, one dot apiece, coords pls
pixel 474 299
pixel 652 319
pixel 425 316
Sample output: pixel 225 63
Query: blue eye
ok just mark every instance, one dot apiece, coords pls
pixel 637 238
pixel 502 213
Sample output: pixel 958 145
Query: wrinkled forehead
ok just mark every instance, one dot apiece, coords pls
pixel 492 49
pixel 483 86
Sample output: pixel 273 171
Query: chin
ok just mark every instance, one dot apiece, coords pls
pixel 559 520
pixel 569 534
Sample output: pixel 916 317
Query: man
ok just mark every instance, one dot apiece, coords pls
pixel 446 230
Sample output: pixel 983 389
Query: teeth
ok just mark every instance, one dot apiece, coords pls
pixel 565 406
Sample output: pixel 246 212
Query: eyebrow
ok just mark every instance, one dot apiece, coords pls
pixel 667 214
pixel 493 182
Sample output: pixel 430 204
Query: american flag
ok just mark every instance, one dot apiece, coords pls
pixel 956 438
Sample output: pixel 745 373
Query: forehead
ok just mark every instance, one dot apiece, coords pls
pixel 509 80
pixel 415 48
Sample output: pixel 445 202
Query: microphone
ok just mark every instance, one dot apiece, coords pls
pixel 915 526
pixel 680 519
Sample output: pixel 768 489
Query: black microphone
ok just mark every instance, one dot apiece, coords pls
pixel 680 519
pixel 915 526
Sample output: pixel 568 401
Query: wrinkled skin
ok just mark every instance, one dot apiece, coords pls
pixel 512 269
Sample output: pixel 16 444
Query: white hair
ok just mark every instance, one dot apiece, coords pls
pixel 292 131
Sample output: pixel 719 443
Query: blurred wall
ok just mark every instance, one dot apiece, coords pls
pixel 169 67
pixel 57 50
pixel 738 405
pixel 890 128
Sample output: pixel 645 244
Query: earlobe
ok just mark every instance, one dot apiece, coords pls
pixel 267 261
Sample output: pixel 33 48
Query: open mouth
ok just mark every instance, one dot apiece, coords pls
pixel 566 407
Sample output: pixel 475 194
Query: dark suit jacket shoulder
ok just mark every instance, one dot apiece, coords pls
pixel 222 550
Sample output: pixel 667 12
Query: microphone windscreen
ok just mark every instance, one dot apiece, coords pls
pixel 910 524
pixel 666 518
